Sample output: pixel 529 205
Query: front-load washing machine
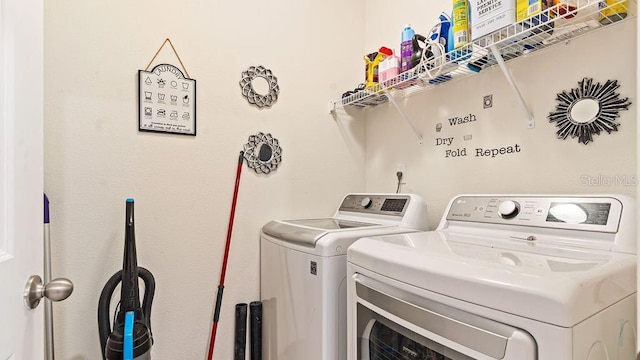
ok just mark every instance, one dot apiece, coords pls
pixel 303 272
pixel 502 277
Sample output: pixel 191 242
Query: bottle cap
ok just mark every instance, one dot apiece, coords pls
pixel 407 33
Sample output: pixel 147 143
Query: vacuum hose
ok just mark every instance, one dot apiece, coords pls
pixel 112 338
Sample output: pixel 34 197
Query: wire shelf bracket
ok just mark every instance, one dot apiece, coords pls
pixel 404 116
pixel 531 122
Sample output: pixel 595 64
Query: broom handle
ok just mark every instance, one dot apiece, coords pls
pixel 216 314
pixel 48 305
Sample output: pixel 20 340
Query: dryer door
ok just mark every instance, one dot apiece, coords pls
pixel 395 324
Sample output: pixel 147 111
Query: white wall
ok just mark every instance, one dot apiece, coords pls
pixel 545 164
pixel 96 158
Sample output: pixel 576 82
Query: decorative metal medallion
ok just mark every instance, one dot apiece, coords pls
pixel 262 153
pixel 588 109
pixel 249 92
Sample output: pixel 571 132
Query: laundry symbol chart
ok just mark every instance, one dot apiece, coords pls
pixel 169 100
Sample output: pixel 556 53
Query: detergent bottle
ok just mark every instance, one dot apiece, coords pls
pixel 406 48
pixel 388 69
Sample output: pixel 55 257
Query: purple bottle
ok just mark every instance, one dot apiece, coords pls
pixel 406 48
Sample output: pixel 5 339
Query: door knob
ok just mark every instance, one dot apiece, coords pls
pixel 56 290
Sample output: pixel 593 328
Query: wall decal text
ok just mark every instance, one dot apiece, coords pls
pixel 457 120
pixel 483 152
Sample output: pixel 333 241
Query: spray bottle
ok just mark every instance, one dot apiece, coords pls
pixel 406 48
pixel 372 65
pixel 460 23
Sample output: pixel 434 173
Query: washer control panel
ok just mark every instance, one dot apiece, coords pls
pixel 579 213
pixel 376 204
pixel 508 209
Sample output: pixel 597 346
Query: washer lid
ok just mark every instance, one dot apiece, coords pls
pixel 556 286
pixel 330 223
pixel 308 231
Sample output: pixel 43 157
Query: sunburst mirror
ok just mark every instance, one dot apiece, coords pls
pixel 262 153
pixel 587 110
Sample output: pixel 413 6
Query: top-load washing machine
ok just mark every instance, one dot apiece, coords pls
pixel 303 272
pixel 502 277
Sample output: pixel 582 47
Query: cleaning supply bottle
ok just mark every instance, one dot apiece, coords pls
pixel 564 8
pixel 406 48
pixel 460 23
pixel 372 65
pixel 612 11
pixel 459 44
pixel 388 69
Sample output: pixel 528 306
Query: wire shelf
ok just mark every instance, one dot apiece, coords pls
pixel 551 26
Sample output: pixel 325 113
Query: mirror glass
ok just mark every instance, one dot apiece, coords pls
pixel 265 152
pixel 260 85
pixel 584 110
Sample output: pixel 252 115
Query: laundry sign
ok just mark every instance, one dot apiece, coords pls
pixel 166 97
pixel 166 101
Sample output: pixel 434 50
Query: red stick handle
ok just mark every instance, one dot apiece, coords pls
pixel 216 314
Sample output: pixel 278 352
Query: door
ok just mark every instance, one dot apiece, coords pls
pixel 21 175
pixel 401 322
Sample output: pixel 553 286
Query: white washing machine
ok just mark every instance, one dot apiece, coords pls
pixel 502 277
pixel 303 272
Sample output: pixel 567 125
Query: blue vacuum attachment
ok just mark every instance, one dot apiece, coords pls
pixel 113 339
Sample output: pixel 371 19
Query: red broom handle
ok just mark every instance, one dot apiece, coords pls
pixel 216 314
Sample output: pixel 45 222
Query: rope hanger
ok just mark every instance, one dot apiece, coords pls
pixel 167 40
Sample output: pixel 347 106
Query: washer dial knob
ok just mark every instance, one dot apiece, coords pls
pixel 508 209
pixel 366 202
